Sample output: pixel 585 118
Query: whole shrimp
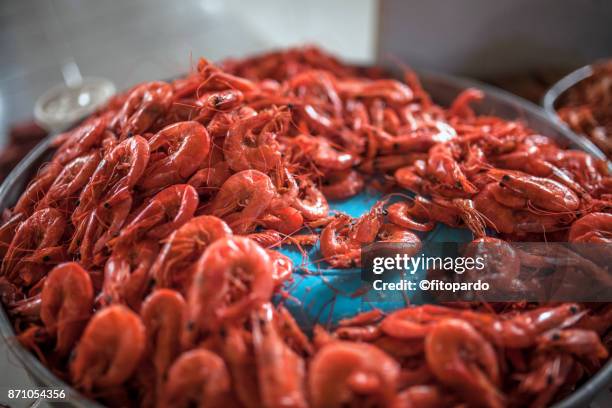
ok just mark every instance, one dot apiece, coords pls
pixel 280 371
pixel 521 330
pixel 162 314
pixel 580 342
pixel 35 246
pixel 220 101
pixel 593 227
pixel 311 202
pixel 442 165
pixel 167 211
pixel 547 373
pixel 119 170
pixel 103 223
pixel 242 199
pixel 197 378
pixel 36 190
pixel 337 248
pixel 232 277
pixel 344 372
pixel 342 238
pixel 66 304
pixel 463 360
pixel 7 232
pixel 245 149
pixel 143 106
pixel 172 267
pixel 69 182
pixel 366 227
pixel 79 141
pixel 519 190
pixel 126 273
pixel 109 350
pixel 176 153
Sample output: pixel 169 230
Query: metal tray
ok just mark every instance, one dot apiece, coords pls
pixel 443 89
pixel 551 97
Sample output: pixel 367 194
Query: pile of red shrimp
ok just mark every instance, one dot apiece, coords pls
pixel 587 107
pixel 141 261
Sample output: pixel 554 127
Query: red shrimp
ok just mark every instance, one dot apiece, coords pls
pixel 79 141
pixel 143 106
pixel 126 273
pixel 35 246
pixel 232 277
pixel 66 304
pixel 167 211
pixel 36 190
pixel 177 151
pixel 245 148
pixel 162 314
pixel 198 377
pixel 242 199
pixel 68 184
pixel 463 360
pixel 119 170
pixel 109 351
pixel 183 247
pixel 343 372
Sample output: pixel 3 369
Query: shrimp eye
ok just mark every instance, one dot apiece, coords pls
pixel 106 205
pixel 290 106
pixel 506 178
pixel 130 134
pixel 573 309
pixel 190 325
pixel 46 258
pixel 385 211
pixel 556 336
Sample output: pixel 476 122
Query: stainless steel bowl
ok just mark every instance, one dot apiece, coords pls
pixel 551 97
pixel 443 89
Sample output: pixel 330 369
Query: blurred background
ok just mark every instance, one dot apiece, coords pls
pixel 521 45
pixel 510 42
pixel 132 41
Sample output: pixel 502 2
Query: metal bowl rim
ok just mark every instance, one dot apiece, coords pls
pixel 553 93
